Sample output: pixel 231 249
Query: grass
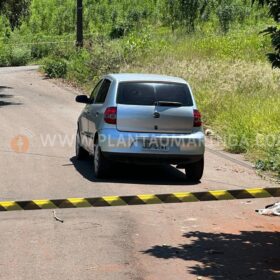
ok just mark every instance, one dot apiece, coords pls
pixel 235 88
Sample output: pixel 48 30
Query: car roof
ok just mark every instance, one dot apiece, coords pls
pixel 129 77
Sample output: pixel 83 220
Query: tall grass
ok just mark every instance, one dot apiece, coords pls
pixel 236 90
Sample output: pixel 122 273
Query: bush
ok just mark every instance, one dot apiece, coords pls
pixel 20 56
pixel 190 12
pixel 225 15
pixel 271 159
pixel 55 68
pixel 78 67
pixel 87 65
pixel 137 44
pixel 40 50
pixel 4 56
pixel 186 13
pixel 117 32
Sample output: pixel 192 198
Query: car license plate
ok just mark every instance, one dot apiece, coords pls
pixel 154 145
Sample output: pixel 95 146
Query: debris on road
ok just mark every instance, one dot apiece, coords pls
pixel 209 132
pixel 56 218
pixel 246 202
pixel 270 210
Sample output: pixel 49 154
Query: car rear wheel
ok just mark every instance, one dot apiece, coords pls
pixel 101 164
pixel 81 153
pixel 194 171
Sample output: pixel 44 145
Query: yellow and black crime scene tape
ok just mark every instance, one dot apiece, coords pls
pixel 140 199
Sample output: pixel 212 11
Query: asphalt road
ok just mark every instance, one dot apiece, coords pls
pixel 212 240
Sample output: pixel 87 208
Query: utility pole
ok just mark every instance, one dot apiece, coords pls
pixel 80 36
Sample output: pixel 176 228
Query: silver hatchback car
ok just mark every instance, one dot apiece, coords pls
pixel 137 118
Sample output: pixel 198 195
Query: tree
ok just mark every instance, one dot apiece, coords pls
pixel 14 10
pixel 273 31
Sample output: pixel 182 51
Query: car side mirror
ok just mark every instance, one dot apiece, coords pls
pixel 83 99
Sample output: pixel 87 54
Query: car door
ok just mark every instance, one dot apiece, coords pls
pixel 84 119
pixel 96 111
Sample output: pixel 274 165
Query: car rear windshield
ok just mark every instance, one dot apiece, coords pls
pixel 143 93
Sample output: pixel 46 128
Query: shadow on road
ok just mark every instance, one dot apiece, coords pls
pixel 134 174
pixel 4 87
pixel 248 255
pixel 6 96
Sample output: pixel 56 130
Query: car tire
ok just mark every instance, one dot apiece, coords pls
pixel 81 153
pixel 101 164
pixel 194 171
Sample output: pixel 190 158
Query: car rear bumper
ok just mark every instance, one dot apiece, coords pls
pixel 152 158
pixel 186 147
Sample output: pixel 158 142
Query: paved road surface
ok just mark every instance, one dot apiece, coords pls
pixel 213 240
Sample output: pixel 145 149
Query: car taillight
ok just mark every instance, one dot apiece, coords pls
pixel 197 118
pixel 110 115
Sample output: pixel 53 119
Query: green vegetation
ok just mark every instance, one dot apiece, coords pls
pixel 273 31
pixel 55 68
pixel 239 97
pixel 215 45
pixel 15 11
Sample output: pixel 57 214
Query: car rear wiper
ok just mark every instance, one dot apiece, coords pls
pixel 168 103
